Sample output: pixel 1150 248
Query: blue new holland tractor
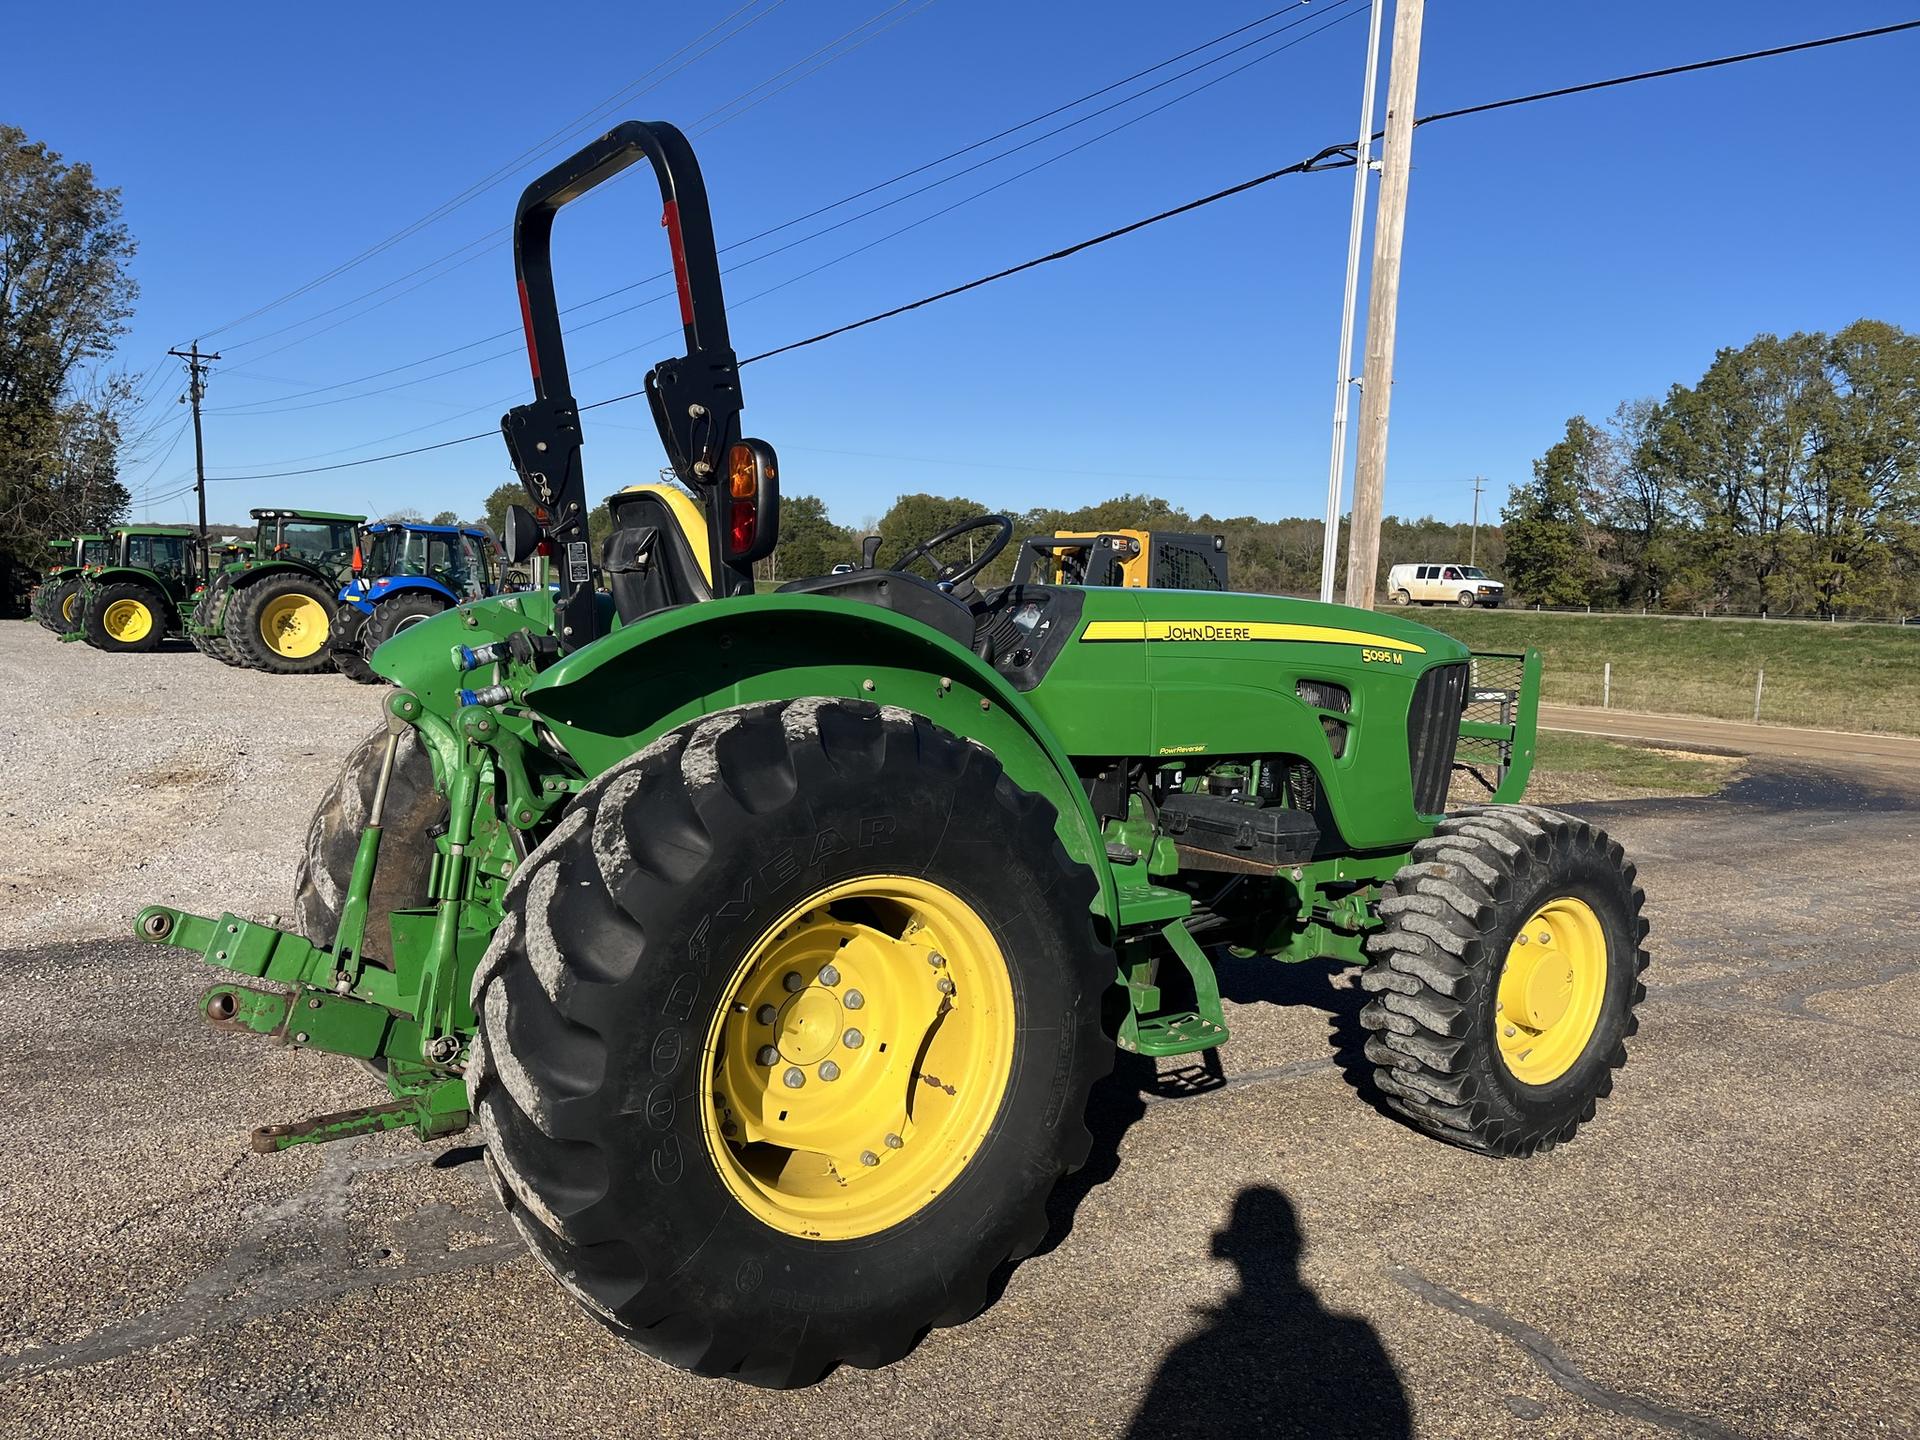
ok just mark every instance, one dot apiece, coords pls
pixel 403 573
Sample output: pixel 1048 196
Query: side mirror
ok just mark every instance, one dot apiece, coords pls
pixel 752 513
pixel 869 550
pixel 522 537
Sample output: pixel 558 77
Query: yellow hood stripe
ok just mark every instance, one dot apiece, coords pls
pixel 1230 630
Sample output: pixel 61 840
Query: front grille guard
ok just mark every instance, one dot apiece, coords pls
pixel 1499 722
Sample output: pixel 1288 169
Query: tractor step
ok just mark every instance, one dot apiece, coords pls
pixel 1181 1033
pixel 1149 1030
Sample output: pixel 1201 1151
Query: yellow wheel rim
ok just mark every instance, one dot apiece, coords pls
pixel 294 626
pixel 66 605
pixel 1551 988
pixel 860 1057
pixel 127 621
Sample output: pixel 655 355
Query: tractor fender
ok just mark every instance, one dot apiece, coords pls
pixel 133 575
pixel 616 696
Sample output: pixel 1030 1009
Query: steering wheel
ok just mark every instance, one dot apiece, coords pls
pixel 961 570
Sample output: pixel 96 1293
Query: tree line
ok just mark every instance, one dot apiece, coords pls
pixel 1785 481
pixel 65 295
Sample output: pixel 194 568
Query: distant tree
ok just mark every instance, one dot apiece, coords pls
pixel 445 517
pixel 405 517
pixel 64 297
pixel 918 517
pixel 494 509
pixel 1548 536
pixel 810 543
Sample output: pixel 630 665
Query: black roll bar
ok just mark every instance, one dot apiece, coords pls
pixel 695 398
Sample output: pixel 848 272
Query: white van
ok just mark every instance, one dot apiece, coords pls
pixel 1465 585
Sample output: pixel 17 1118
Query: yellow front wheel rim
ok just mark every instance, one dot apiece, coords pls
pixel 859 1058
pixel 127 621
pixel 1552 986
pixel 66 605
pixel 294 626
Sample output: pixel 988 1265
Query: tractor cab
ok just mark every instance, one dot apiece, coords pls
pixel 459 559
pixel 319 538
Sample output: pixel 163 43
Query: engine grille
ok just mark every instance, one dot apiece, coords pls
pixel 1433 732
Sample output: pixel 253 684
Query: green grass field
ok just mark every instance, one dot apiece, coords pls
pixel 1831 677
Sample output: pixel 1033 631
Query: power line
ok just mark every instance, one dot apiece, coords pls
pixel 632 90
pixel 620 97
pixel 844 200
pixel 274 406
pixel 1331 158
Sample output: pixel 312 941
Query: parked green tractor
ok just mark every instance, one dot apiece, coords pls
pixel 55 601
pixel 143 593
pixel 272 610
pixel 773 942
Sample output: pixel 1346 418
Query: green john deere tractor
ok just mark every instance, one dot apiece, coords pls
pixel 55 602
pixel 143 593
pixel 773 942
pixel 272 609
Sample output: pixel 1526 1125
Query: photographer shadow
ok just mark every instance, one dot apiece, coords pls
pixel 1272 1360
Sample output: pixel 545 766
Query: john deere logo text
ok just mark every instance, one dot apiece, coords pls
pixel 1209 632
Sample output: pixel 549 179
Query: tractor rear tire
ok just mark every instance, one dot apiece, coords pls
pixel 280 624
pixel 618 1078
pixel 333 839
pixel 1506 974
pixel 60 607
pixel 126 618
pixel 348 640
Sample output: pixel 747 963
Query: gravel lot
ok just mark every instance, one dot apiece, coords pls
pixel 1730 1250
pixel 165 777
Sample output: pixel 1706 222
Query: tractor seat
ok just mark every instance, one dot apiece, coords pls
pixel 657 556
pixel 898 591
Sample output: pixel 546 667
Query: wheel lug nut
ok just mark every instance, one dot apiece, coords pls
pixel 946 986
pixel 853 1000
pixel 867 1157
pixel 766 1014
pixel 793 1078
pixel 1509 1031
pixel 829 1070
pixel 853 1039
pixel 1523 939
pixel 793 980
pixel 894 1142
pixel 768 1055
pixel 936 959
pixel 829 975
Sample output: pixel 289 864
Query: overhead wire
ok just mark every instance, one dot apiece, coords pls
pixel 629 91
pixel 274 405
pixel 1332 157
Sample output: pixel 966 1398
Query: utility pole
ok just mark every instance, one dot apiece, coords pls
pixel 1383 299
pixel 196 391
pixel 1473 543
pixel 1362 168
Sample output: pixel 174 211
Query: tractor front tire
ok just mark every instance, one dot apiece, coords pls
pixel 1506 977
pixel 787 1035
pixel 126 618
pixel 402 612
pixel 349 633
pixel 281 624
pixel 406 842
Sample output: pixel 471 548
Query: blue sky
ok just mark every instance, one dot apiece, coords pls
pixel 1559 257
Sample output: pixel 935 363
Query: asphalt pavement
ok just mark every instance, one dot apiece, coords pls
pixel 1731 1249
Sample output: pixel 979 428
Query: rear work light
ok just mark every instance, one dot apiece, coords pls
pixel 753 502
